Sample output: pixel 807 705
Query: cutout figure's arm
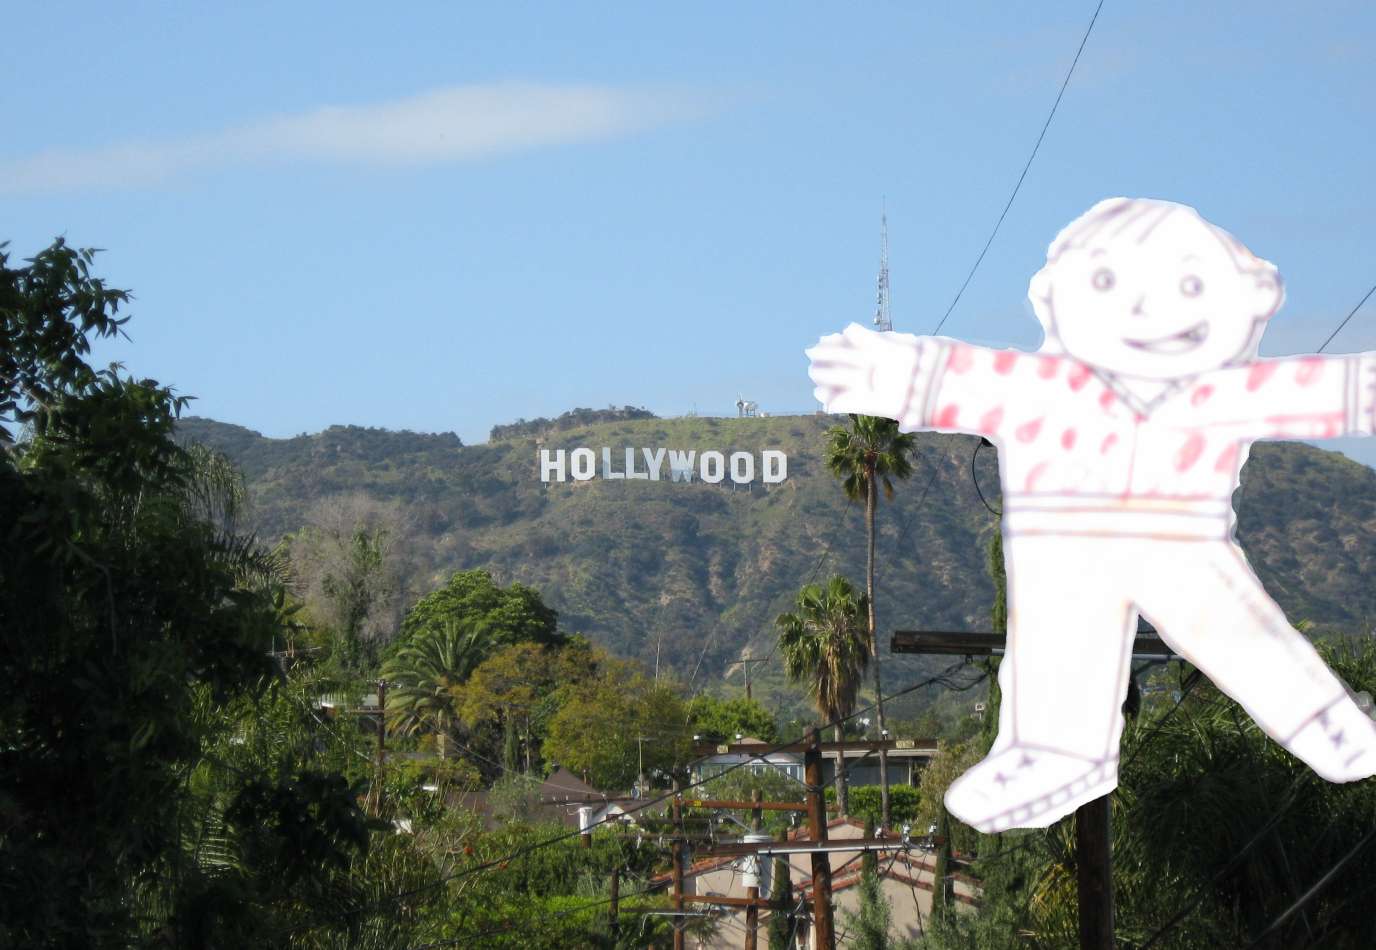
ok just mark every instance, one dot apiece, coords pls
pixel 927 382
pixel 1299 397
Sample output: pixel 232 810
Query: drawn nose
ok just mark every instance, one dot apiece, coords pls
pixel 1137 310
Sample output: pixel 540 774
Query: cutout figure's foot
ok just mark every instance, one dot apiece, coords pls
pixel 1028 787
pixel 1339 742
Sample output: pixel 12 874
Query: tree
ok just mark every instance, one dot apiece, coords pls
pixel 870 453
pixel 512 614
pixel 515 691
pixel 609 725
pixel 869 924
pixel 721 720
pixel 823 644
pixel 423 678
pixel 128 609
pixel 347 563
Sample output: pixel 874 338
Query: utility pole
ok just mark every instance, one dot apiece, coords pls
pixel 745 664
pixel 676 875
pixel 752 913
pixel 615 910
pixel 825 937
pixel 781 893
pixel 381 740
pixel 640 766
pixel 1094 871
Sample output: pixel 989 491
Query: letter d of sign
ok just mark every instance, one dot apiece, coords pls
pixel 775 465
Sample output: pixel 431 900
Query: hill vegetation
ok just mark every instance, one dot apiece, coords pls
pixel 691 576
pixel 573 419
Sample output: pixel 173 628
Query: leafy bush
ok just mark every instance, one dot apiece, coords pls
pixel 865 800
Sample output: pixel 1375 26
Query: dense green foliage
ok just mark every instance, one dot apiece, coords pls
pixel 130 612
pixel 863 803
pixel 868 926
pixel 616 726
pixel 720 720
pixel 167 775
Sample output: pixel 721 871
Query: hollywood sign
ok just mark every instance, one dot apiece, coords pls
pixel 712 467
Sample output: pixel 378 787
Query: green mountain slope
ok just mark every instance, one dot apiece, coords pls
pixel 697 572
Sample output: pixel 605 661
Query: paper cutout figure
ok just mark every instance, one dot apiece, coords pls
pixel 1120 442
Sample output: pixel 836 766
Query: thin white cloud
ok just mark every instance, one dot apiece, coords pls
pixel 444 125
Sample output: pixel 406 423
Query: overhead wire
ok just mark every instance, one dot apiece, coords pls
pixel 1026 167
pixel 1345 320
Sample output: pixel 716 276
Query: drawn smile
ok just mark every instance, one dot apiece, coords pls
pixel 1181 342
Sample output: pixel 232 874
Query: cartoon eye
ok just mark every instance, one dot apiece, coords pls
pixel 1103 279
pixel 1191 286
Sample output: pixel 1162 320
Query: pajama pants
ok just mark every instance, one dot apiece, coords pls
pixel 1073 603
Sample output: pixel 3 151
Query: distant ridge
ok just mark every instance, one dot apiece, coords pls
pixel 699 571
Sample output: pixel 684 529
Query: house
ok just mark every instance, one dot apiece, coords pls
pixel 906 881
pixel 906 762
pixel 710 766
pixel 566 798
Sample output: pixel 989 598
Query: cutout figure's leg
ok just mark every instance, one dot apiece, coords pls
pixel 1210 608
pixel 1064 677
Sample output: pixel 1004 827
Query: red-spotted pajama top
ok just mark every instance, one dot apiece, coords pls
pixel 1073 441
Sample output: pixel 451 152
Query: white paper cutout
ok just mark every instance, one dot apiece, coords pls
pixel 1120 442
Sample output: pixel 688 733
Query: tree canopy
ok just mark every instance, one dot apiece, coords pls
pixel 127 609
pixel 511 614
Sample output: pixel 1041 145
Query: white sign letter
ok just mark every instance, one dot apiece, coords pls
pixel 778 470
pixel 712 467
pixel 681 465
pixel 630 466
pixel 654 462
pixel 552 466
pixel 607 465
pixel 742 467
pixel 583 464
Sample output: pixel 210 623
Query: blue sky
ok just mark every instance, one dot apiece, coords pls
pixel 450 217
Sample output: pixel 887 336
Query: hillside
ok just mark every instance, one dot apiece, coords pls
pixel 699 571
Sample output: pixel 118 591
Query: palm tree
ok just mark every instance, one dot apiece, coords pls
pixel 422 678
pixel 869 453
pixel 823 644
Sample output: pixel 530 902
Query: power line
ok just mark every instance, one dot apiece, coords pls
pixel 1350 315
pixel 1046 125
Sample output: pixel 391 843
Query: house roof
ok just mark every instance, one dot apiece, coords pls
pixel 562 785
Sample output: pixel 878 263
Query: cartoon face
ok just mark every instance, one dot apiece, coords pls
pixel 1155 294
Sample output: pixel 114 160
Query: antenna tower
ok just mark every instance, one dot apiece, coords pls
pixel 883 320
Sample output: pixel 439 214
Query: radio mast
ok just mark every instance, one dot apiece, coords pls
pixel 883 320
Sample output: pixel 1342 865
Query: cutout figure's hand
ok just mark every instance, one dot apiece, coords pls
pixel 865 372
